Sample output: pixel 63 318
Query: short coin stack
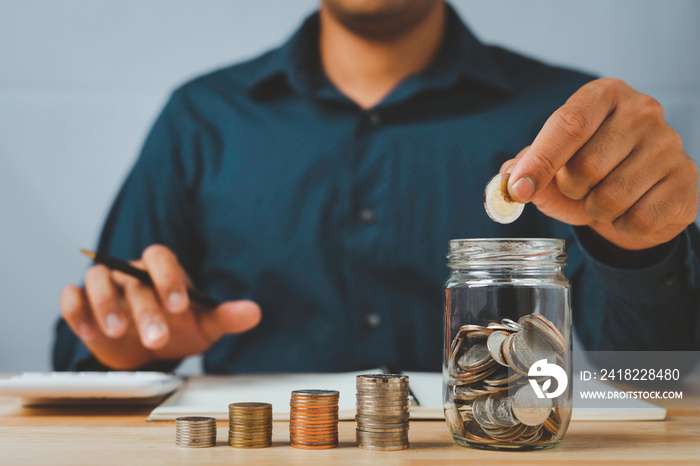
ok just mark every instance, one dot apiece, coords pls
pixel 250 425
pixel 382 412
pixel 195 432
pixel 313 419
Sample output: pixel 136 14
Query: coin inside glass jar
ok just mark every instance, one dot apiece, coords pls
pixel 507 306
pixel 499 206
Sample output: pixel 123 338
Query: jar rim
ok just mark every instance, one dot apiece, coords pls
pixel 552 241
pixel 505 251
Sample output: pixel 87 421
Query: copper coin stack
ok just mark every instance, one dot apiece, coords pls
pixel 382 412
pixel 250 425
pixel 313 419
pixel 195 432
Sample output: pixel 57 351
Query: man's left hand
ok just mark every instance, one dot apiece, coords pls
pixel 608 159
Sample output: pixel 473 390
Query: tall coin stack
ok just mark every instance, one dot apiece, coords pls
pixel 250 425
pixel 195 432
pixel 382 412
pixel 313 419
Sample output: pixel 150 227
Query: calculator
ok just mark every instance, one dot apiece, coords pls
pixel 77 387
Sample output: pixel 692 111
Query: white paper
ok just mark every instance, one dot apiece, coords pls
pixel 210 396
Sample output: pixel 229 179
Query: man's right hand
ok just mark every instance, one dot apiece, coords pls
pixel 127 324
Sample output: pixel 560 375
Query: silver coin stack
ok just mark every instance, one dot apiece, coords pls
pixel 195 432
pixel 382 412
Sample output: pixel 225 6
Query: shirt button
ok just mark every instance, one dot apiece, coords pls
pixel 372 321
pixel 367 215
pixel 667 281
pixel 374 118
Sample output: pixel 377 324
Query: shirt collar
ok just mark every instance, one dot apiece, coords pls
pixel 462 57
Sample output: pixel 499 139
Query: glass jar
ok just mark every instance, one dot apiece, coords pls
pixel 506 364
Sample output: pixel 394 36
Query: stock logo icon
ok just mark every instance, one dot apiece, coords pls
pixel 542 368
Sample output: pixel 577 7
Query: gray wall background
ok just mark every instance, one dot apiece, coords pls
pixel 81 81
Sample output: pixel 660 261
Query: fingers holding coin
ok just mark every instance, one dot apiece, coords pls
pixel 608 160
pixel 499 206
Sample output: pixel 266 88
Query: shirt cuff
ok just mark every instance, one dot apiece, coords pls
pixel 672 273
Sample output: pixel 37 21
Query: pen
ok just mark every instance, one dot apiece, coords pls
pixel 124 267
pixel 391 369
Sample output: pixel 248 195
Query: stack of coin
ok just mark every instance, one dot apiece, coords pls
pixel 195 432
pixel 489 400
pixel 250 425
pixel 313 419
pixel 382 412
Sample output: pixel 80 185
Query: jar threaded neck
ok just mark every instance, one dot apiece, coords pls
pixel 506 252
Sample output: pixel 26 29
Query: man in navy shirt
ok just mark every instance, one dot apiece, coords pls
pixel 313 191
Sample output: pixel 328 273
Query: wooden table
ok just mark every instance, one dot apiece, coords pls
pixel 122 436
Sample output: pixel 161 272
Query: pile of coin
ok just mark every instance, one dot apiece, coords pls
pixel 250 425
pixel 313 419
pixel 489 401
pixel 382 412
pixel 195 432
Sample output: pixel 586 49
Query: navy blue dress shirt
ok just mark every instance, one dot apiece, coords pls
pixel 271 185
